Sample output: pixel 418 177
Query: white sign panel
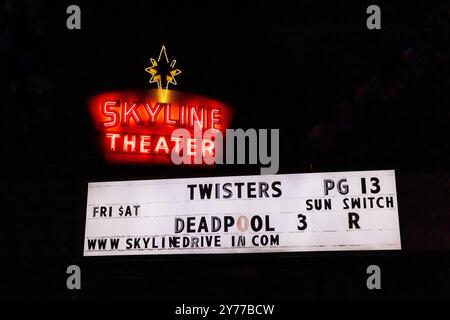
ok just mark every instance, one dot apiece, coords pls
pixel 244 214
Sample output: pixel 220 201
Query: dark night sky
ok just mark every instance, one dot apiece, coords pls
pixel 348 99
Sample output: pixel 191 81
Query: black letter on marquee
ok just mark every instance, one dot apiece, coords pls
pixel 328 185
pixel 179 225
pixel 353 219
pixel 191 189
pixel 277 190
pixel 228 222
pixel 302 220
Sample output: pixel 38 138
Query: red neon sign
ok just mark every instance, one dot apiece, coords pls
pixel 136 128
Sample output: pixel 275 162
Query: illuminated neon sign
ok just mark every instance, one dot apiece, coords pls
pixel 136 126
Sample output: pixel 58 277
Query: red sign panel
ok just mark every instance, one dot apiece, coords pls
pixel 136 128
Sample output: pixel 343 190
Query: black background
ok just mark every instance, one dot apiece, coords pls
pixel 307 59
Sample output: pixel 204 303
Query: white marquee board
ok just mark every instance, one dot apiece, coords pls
pixel 244 214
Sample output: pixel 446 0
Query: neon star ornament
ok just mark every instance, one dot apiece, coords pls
pixel 163 73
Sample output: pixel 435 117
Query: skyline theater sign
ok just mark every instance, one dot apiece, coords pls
pixel 136 126
pixel 339 211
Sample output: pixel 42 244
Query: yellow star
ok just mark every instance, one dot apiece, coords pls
pixel 162 72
